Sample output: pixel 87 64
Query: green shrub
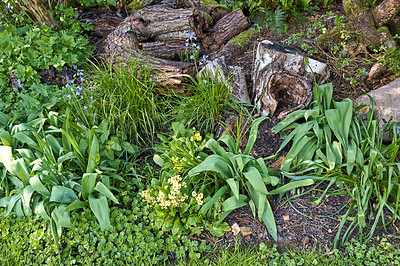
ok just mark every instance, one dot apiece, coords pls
pixel 26 49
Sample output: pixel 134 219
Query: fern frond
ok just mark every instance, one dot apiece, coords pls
pixel 276 21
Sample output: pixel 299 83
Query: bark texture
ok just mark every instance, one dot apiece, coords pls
pixel 40 12
pixel 386 11
pixel 281 77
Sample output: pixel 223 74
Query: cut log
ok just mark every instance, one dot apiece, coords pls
pixel 163 22
pixel 171 50
pixel 281 77
pixel 225 29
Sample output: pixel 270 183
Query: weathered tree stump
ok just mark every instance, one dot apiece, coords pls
pixel 282 77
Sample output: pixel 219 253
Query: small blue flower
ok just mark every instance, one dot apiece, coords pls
pixel 75 67
pixel 66 77
pixel 78 92
pixel 191 57
pixel 91 97
pixel 84 107
pixel 69 96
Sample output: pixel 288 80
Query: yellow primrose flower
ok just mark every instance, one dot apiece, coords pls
pixel 176 186
pixel 200 195
pixel 198 198
pixel 194 193
pixel 167 203
pixel 200 202
pixel 184 184
pixel 171 196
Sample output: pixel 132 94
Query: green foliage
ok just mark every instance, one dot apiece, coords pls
pixel 52 166
pixel 243 175
pixel 129 240
pixel 204 108
pixel 390 58
pixel 96 3
pixel 27 49
pixel 330 141
pixel 125 95
pixel 180 203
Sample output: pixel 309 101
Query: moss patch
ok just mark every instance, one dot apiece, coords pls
pixel 213 3
pixel 242 39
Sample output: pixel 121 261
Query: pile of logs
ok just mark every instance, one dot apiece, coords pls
pixel 158 34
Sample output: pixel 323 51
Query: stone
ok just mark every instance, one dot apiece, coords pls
pixel 386 99
pixel 377 70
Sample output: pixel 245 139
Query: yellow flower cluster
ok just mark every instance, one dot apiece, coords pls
pixel 175 197
pixel 199 197
pixel 196 136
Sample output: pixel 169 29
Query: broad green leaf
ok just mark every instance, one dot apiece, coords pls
pixel 230 143
pixel 339 120
pixel 168 224
pixel 74 145
pixel 253 134
pixel 62 194
pixel 88 183
pixel 271 180
pixel 218 229
pixel 4 119
pixel 76 205
pixel 11 204
pixel 102 189
pixel 94 155
pixel 269 220
pixel 214 146
pixel 234 185
pixel 26 200
pixel 26 153
pixel 292 117
pixel 24 138
pixel 100 209
pixel 36 183
pixel 263 166
pixel 177 226
pixel 258 199
pixel 213 200
pixel 213 163
pixel 232 203
pixel 40 210
pixel 53 143
pixel 61 217
pixel 255 179
pixel 6 158
pixel 291 185
pixel 5 137
pixel 158 160
pixel 21 170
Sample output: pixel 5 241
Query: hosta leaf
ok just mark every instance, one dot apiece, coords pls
pixel 100 209
pixel 5 137
pixel 40 210
pixel 11 204
pixel 291 185
pixel 6 158
pixel 61 217
pixel 63 195
pixel 177 226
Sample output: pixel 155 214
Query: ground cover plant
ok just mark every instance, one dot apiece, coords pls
pixel 104 169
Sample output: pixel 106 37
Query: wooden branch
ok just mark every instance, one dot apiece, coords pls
pixel 385 11
pixel 225 29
